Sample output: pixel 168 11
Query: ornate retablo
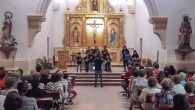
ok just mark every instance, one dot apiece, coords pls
pixel 94 22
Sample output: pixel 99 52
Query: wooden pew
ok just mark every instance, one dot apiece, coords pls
pixel 44 103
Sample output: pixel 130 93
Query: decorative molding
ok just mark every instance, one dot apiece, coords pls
pixel 159 28
pixel 7 50
pixel 34 26
pixel 184 52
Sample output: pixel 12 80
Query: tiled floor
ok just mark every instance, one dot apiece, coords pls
pixel 106 98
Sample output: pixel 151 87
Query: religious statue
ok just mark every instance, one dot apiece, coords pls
pixel 76 35
pixel 7 39
pixel 94 5
pixel 185 32
pixel 112 36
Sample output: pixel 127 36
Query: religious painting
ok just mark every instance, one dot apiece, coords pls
pixel 94 31
pixel 62 59
pixel 75 32
pixel 95 5
pixel 113 56
pixel 113 32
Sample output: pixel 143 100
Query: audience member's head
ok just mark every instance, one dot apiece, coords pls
pixel 35 83
pixel 156 65
pixel 55 77
pixel 149 73
pixel 166 71
pixel 9 82
pixel 160 76
pixel 176 79
pixel 2 74
pixel 22 88
pixel 135 72
pixel 182 76
pixel 65 76
pixel 16 75
pixel 180 102
pixel 152 82
pixel 189 87
pixel 38 68
pixel 13 101
pixel 20 71
pixel 142 73
pixel 124 47
pixel 190 74
pixel 35 76
pixel 172 70
pixel 167 84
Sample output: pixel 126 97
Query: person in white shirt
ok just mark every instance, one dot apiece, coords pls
pixel 178 88
pixel 151 89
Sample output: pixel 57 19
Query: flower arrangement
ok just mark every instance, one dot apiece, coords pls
pixel 43 63
pixel 147 62
pixel 8 43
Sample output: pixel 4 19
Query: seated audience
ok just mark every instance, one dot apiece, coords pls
pixel 65 85
pixel 156 70
pixel 190 76
pixel 172 71
pixel 28 103
pixel 36 92
pixel 2 77
pixel 126 78
pixel 149 73
pixel 36 76
pixel 159 78
pixel 149 90
pixel 138 82
pixel 177 88
pixel 141 80
pixel 55 85
pixel 9 86
pixel 180 102
pixel 13 101
pixel 166 95
pixel 182 77
pixel 189 88
pixel 2 99
pixel 17 76
pixel 72 92
pixel 166 71
pixel 45 77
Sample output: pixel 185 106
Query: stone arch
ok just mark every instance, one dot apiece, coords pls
pixel 159 23
pixel 151 6
pixel 35 20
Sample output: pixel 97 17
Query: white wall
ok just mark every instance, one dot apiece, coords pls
pixel 144 30
pixel 174 10
pixel 136 26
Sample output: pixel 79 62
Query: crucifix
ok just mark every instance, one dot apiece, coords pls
pixel 94 25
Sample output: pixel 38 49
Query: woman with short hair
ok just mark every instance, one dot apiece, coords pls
pixel 166 95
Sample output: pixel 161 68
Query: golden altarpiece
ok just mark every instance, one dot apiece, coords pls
pixel 94 22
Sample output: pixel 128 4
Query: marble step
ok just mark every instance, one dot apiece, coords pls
pixel 92 80
pixel 92 73
pixel 92 77
pixel 92 83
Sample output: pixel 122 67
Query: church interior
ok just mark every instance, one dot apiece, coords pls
pixel 54 54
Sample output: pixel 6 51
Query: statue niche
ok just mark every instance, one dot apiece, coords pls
pixel 184 37
pixel 185 32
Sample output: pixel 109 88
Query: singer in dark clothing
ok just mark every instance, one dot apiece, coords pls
pixel 98 69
